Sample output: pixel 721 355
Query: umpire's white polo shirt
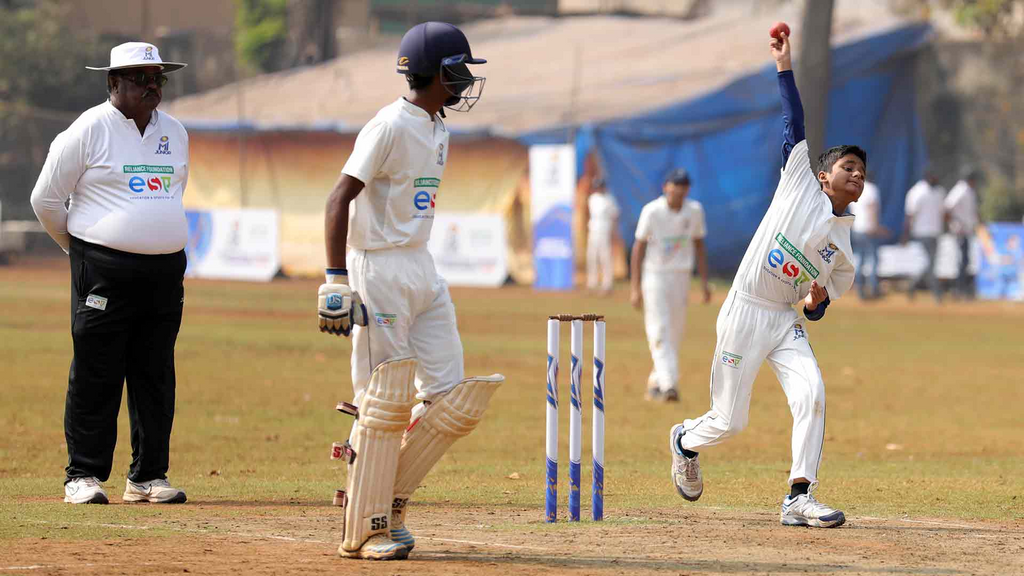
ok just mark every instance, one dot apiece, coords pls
pixel 125 188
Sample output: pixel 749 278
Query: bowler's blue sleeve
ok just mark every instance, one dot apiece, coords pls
pixel 817 313
pixel 792 114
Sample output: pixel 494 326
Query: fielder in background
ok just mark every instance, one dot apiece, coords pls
pixel 669 239
pixel 868 234
pixel 122 167
pixel 604 215
pixel 406 351
pixel 962 215
pixel 925 214
pixel 799 254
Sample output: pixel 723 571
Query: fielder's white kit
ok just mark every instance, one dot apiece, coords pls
pixel 410 350
pixel 799 240
pixel 665 283
pixel 603 213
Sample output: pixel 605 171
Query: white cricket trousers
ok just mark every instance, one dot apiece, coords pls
pixel 751 330
pixel 410 313
pixel 599 261
pixel 665 295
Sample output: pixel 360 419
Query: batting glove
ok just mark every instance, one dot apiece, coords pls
pixel 339 307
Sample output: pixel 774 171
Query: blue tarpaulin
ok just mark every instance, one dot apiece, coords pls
pixel 730 141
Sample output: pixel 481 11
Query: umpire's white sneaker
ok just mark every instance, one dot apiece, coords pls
pixel 685 471
pixel 158 491
pixel 804 510
pixel 84 491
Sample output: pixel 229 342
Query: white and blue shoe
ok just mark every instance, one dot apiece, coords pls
pixel 399 533
pixel 377 547
pixel 804 510
pixel 686 474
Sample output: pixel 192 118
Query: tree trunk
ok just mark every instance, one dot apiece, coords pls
pixel 813 74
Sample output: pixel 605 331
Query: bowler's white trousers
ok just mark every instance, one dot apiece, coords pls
pixel 751 330
pixel 665 294
pixel 410 312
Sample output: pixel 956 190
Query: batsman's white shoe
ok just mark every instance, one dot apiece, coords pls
pixel 84 491
pixel 399 533
pixel 377 547
pixel 804 510
pixel 685 471
pixel 158 491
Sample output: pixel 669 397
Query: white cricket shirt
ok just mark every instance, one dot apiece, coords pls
pixel 866 210
pixel 400 156
pixel 125 188
pixel 670 234
pixel 603 212
pixel 799 240
pixel 962 205
pixel 926 204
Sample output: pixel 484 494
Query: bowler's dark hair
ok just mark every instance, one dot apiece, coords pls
pixel 829 157
pixel 417 82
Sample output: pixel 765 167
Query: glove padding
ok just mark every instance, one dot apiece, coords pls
pixel 339 307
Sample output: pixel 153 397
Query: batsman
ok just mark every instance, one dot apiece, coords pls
pixel 412 401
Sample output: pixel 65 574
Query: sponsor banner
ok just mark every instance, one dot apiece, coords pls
pixel 469 249
pixel 552 185
pixel 233 244
pixel 1001 271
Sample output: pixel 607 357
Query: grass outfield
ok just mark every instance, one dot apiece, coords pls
pixel 924 410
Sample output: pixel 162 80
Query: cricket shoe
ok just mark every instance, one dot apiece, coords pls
pixel 685 471
pixel 158 491
pixel 399 533
pixel 85 490
pixel 804 510
pixel 670 395
pixel 377 547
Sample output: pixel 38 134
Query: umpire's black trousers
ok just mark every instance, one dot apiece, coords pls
pixel 125 315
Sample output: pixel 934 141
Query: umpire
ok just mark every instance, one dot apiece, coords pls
pixel 110 194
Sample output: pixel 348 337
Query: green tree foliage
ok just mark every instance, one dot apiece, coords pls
pixel 44 58
pixel 996 18
pixel 261 33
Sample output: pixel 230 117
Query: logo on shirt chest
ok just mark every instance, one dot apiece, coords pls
pixel 425 196
pixel 164 147
pixel 787 264
pixel 148 178
pixel 828 252
pixel 440 154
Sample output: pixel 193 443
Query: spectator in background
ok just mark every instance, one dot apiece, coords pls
pixel 604 214
pixel 962 217
pixel 924 218
pixel 868 233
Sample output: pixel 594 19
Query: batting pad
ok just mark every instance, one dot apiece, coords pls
pixel 447 419
pixel 384 413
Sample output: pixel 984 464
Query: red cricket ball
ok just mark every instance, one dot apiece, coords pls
pixel 778 30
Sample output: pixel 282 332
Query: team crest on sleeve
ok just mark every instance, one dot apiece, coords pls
pixel 440 154
pixel 164 147
pixel 828 252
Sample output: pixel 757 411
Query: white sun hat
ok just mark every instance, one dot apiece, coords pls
pixel 137 55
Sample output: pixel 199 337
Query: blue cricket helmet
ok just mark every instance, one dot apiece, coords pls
pixel 441 49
